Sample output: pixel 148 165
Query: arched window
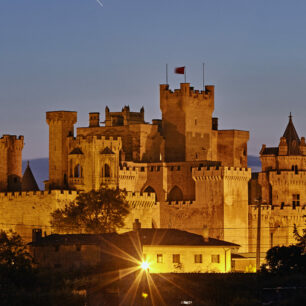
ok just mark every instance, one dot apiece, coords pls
pixel 150 189
pixel 78 171
pixel 175 194
pixel 106 170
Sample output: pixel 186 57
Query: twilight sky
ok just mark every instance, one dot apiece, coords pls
pixel 77 55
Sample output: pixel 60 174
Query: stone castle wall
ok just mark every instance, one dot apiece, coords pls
pixel 23 211
pixel 277 224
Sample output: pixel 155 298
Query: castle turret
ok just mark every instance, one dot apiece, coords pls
pixel 282 147
pixel 187 122
pixel 94 119
pixel 11 162
pixel 61 125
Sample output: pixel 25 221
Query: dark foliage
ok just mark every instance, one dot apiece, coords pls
pixel 94 212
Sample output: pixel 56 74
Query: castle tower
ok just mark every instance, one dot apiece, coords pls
pixel 61 125
pixel 187 122
pixel 11 162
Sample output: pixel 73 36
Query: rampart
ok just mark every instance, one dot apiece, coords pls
pixel 218 173
pixel 23 211
pixel 277 225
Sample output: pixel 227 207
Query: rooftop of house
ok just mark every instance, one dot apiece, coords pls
pixel 170 236
pixel 146 236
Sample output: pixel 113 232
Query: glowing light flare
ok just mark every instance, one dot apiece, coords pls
pixel 145 265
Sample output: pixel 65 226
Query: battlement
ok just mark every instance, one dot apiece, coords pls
pixel 288 176
pixel 59 194
pixel 202 173
pixel 7 141
pixel 186 90
pixel 103 141
pixel 284 209
pixel 180 204
pixel 68 116
pixel 7 137
pixel 141 200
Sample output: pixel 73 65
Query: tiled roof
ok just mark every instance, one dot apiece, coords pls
pixel 151 236
pixel 147 236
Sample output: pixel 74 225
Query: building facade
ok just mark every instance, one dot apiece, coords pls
pixel 280 188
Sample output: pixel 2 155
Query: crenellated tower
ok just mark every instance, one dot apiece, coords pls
pixel 11 161
pixel 61 125
pixel 187 122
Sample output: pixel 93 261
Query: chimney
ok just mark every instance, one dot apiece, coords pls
pixel 36 234
pixel 94 119
pixel 205 233
pixel 136 225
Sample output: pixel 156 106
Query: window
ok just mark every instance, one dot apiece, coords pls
pixel 295 200
pixel 106 170
pixel 198 258
pixel 159 258
pixel 176 258
pixel 215 258
pixel 77 171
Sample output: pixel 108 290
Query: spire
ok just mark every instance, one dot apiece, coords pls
pixel 28 182
pixel 292 138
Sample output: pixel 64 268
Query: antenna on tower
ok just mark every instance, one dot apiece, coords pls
pixel 203 78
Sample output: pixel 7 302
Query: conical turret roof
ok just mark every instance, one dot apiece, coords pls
pixel 28 182
pixel 292 138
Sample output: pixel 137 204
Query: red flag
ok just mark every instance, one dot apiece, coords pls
pixel 179 70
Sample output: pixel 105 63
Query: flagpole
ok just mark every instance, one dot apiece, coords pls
pixel 203 78
pixel 167 74
pixel 185 73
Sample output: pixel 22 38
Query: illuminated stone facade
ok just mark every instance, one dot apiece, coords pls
pixel 197 173
pixel 281 188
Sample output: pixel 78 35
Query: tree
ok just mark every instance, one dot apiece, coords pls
pixel 13 251
pixel 101 211
pixel 285 259
pixel 300 238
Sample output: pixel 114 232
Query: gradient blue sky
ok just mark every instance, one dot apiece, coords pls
pixel 77 55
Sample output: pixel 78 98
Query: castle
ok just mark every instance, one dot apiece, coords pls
pixel 180 172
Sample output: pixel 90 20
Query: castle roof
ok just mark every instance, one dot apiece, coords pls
pixel 28 182
pixel 269 151
pixel 292 138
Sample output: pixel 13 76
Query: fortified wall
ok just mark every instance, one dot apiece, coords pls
pixel 23 211
pixel 277 225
